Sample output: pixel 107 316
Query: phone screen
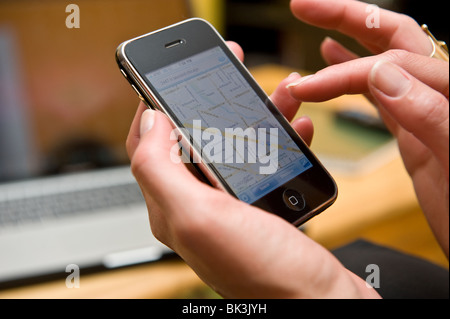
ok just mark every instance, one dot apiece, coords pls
pixel 229 123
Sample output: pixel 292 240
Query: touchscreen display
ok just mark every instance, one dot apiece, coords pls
pixel 229 124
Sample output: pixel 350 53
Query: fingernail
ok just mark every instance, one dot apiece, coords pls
pixel 147 121
pixel 328 39
pixel 293 75
pixel 390 79
pixel 299 81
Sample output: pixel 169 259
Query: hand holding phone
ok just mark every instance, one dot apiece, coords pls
pixel 228 126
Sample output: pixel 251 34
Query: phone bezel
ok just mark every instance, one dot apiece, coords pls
pixel 195 36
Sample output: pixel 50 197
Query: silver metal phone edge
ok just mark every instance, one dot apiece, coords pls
pixel 142 87
pixel 299 222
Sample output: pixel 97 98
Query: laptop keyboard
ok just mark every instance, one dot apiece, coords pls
pixel 39 208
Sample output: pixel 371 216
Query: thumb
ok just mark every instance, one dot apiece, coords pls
pixel 415 106
pixel 156 163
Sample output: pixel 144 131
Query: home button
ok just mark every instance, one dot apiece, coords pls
pixel 294 200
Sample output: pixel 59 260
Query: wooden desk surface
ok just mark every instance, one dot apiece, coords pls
pixel 166 279
pixel 363 199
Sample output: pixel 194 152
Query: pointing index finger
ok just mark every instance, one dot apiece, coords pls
pixel 351 77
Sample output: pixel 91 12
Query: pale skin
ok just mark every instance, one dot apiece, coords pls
pixel 244 252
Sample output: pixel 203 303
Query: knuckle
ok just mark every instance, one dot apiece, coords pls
pixel 408 21
pixel 435 110
pixel 397 55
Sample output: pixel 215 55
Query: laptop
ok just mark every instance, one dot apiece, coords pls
pixel 67 196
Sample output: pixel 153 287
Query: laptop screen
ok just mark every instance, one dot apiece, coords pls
pixel 64 106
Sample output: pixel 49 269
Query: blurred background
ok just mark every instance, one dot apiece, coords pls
pixel 283 39
pixel 64 107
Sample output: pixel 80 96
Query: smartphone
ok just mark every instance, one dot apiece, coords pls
pixel 228 126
